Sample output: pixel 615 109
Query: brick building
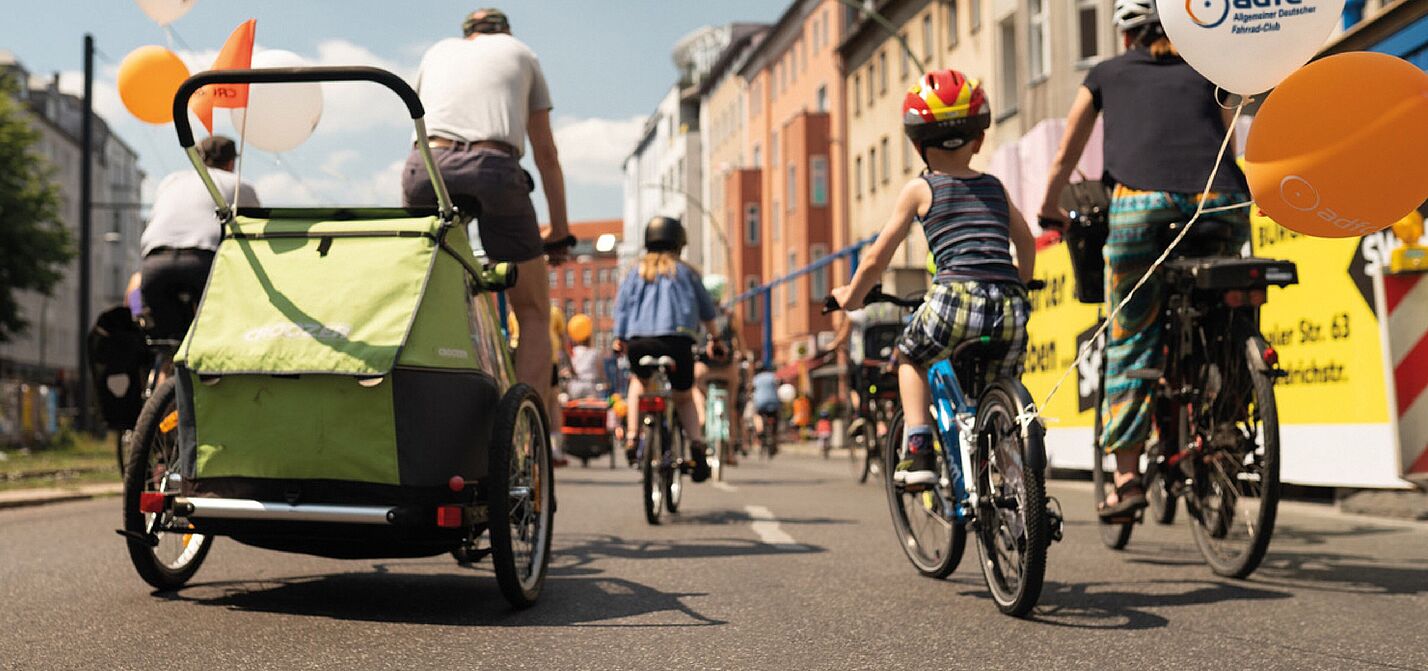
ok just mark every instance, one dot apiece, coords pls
pixel 588 283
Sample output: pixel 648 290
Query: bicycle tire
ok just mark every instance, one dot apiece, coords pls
pixel 673 472
pixel 1163 504
pixel 997 425
pixel 520 578
pixel 651 487
pixel 1114 535
pixel 860 453
pixel 945 555
pixel 1206 529
pixel 154 426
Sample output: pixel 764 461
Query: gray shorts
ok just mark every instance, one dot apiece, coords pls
pixel 489 184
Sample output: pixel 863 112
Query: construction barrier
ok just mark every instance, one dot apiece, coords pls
pixel 1340 425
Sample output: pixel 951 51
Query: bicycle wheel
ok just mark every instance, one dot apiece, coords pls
pixel 520 496
pixel 675 457
pixel 1235 495
pixel 1114 535
pixel 859 440
pixel 651 472
pixel 925 524
pixel 1163 504
pixel 169 558
pixel 1012 528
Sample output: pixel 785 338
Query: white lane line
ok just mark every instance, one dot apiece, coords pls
pixel 767 527
pixel 724 486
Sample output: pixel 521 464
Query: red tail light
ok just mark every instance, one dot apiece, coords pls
pixel 448 517
pixel 651 404
pixel 1235 298
pixel 1271 357
pixel 151 502
pixel 1256 297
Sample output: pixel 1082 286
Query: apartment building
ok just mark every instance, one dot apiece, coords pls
pixel 795 137
pixel 587 284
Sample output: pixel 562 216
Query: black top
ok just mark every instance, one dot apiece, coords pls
pixel 1163 125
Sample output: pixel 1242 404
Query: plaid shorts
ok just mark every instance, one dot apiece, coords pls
pixel 966 309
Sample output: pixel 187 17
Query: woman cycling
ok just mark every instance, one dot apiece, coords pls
pixel 658 310
pixel 1163 129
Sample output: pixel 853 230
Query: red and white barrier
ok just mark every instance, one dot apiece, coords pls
pixel 1406 307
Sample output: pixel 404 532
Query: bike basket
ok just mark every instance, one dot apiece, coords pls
pixel 1086 238
pixel 341 349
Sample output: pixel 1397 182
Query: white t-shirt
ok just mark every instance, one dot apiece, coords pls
pixel 184 214
pixel 484 88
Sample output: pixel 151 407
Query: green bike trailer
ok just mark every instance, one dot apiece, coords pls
pixel 345 390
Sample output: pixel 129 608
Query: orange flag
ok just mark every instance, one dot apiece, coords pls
pixel 237 54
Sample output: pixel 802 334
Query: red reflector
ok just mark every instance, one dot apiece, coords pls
pixel 1256 297
pixel 448 517
pixel 456 483
pixel 651 404
pixel 1235 298
pixel 1271 357
pixel 151 502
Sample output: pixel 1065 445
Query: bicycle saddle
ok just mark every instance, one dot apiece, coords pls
pixel 981 348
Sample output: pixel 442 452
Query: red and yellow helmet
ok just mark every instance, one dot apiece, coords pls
pixel 945 109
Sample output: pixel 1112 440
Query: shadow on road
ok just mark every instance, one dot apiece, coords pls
pixel 1111 605
pixel 459 600
pixel 575 557
pixel 1330 572
pixel 718 517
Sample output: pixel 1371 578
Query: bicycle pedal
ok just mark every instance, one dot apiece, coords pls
pixel 1055 520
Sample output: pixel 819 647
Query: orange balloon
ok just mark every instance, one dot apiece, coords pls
pixel 148 79
pixel 1338 149
pixel 579 328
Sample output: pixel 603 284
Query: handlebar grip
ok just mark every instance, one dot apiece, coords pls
pixel 1036 285
pixel 564 243
pixel 1051 224
pixel 345 73
pixel 830 304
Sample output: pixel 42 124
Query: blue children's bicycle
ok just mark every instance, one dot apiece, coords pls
pixel 995 485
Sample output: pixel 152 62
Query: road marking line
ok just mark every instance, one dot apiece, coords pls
pixel 725 487
pixel 767 527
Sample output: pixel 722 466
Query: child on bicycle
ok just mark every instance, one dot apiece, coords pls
pixel 970 224
pixel 658 310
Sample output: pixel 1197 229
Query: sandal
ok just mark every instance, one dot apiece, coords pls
pixel 1126 503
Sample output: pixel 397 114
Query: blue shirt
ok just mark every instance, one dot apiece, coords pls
pixel 670 305
pixel 766 390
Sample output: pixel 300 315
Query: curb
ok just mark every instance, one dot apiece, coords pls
pixel 24 498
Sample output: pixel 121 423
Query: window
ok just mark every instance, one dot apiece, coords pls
pixel 751 223
pixel 872 71
pixel 1010 85
pixel 974 17
pixel 872 170
pixel 816 36
pixel 1037 53
pixel 818 181
pixel 585 306
pixel 820 99
pixel 791 187
pixel 569 279
pixel 569 308
pixel 773 221
pixel 585 276
pixel 906 58
pixel 818 279
pixel 887 161
pixel 907 153
pixel 883 71
pixel 1088 19
pixel 752 313
pixel 927 39
pixel 758 156
pixel 791 286
pixel 858 177
pixel 857 92
pixel 952 24
pixel 554 278
pixel 803 47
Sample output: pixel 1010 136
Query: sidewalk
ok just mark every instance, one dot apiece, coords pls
pixel 20 498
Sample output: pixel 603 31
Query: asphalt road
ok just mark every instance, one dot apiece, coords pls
pixel 790 566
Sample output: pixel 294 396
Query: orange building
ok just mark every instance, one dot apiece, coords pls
pixel 795 122
pixel 588 282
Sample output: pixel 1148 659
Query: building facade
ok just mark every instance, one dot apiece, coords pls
pixel 795 139
pixel 587 284
pixel 48 351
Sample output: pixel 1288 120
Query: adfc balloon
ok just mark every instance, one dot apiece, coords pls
pixel 164 12
pixel 148 79
pixel 279 117
pixel 1338 149
pixel 1248 46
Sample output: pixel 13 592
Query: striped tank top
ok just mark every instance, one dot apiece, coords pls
pixel 968 229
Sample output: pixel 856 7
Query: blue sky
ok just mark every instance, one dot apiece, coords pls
pixel 607 63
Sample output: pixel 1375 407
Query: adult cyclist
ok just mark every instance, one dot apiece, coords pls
pixel 1163 127
pixel 719 362
pixel 766 404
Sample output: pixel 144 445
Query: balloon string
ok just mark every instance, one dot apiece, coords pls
pixel 1200 209
pixel 287 167
pixel 242 149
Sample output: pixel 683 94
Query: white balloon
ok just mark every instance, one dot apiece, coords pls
pixel 279 117
pixel 1248 46
pixel 787 392
pixel 164 12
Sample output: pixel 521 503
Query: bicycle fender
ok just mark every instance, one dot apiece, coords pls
pixel 1033 432
pixel 1255 347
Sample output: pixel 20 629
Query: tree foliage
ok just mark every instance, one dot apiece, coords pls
pixel 34 245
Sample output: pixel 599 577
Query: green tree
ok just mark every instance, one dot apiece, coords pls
pixel 34 245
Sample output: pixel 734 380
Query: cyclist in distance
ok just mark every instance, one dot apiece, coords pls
pixel 722 366
pixel 1163 127
pixel 766 402
pixel 970 224
pixel 658 310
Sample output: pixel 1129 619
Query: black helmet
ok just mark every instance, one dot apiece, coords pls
pixel 664 234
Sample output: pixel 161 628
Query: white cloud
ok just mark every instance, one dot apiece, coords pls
pixel 287 185
pixel 106 97
pixel 593 150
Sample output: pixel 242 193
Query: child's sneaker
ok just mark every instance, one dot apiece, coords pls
pixel 919 469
